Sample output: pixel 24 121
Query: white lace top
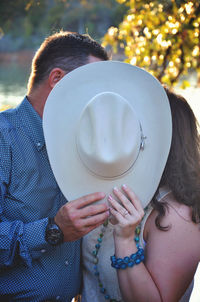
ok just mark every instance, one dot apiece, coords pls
pixel 108 275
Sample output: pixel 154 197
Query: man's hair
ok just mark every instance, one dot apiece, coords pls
pixel 65 50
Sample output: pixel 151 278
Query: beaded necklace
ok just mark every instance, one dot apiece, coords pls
pixel 95 252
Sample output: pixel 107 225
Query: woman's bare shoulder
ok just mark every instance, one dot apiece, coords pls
pixel 172 256
pixel 178 219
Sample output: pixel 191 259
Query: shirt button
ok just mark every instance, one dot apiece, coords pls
pixel 43 251
pixel 39 144
pixel 58 298
pixel 66 262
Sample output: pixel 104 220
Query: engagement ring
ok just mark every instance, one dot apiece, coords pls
pixel 125 213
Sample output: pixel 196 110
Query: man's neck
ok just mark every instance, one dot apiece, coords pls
pixel 37 97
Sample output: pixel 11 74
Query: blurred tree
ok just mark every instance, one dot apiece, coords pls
pixel 83 16
pixel 160 36
pixel 31 20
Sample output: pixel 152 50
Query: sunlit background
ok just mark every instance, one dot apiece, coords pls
pixel 160 36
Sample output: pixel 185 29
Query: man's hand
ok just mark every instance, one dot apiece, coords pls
pixel 79 217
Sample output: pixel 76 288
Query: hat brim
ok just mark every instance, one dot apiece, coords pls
pixel 62 112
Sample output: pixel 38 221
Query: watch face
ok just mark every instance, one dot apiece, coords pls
pixel 54 235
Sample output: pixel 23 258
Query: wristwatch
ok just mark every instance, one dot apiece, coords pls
pixel 53 234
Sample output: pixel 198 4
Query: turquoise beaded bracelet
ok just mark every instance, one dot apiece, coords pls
pixel 133 259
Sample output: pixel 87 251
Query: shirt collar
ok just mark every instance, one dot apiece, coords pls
pixel 32 122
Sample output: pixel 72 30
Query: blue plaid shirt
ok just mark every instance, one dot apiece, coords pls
pixel 30 268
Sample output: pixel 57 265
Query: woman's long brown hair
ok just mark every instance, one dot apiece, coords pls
pixel 182 170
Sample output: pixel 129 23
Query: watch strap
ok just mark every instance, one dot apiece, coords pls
pixel 53 233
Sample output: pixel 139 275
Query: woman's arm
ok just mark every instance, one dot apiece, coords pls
pixel 171 256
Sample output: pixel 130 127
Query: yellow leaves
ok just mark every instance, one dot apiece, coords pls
pixel 121 1
pixel 195 51
pixel 172 25
pixel 166 43
pixel 180 10
pixel 133 61
pixel 4 107
pixel 160 8
pixel 196 24
pixel 159 38
pixel 189 8
pixel 174 31
pixel 130 17
pixel 156 32
pixel 147 33
pixel 173 71
pixel 163 43
pixel 185 84
pixel 166 79
pixel 112 31
pixel 147 60
pixel 111 38
pixel 182 18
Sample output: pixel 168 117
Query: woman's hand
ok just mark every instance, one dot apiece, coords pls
pixel 128 212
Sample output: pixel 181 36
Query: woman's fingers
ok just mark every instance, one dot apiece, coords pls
pixel 124 200
pixel 134 199
pixel 117 215
pixel 130 206
pixel 127 211
pixel 117 207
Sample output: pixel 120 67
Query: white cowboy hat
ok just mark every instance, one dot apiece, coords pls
pixel 107 124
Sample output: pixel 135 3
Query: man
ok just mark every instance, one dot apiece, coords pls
pixel 39 229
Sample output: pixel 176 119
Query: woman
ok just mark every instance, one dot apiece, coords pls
pixel 169 229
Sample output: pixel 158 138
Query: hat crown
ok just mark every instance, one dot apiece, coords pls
pixel 108 135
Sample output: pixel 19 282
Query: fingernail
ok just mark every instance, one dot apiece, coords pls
pixel 108 212
pixel 124 186
pixel 110 197
pixel 116 189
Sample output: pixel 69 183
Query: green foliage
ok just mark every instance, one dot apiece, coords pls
pixel 32 19
pixel 160 36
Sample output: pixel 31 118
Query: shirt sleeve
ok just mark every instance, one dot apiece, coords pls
pixel 18 241
pixel 24 241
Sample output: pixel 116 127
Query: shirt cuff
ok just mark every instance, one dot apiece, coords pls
pixel 34 237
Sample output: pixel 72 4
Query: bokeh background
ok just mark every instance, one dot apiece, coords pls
pixel 25 23
pixel 161 36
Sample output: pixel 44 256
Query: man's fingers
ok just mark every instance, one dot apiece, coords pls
pixel 88 199
pixel 93 210
pixel 80 216
pixel 96 220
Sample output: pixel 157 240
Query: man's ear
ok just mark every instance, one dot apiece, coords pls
pixel 55 76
